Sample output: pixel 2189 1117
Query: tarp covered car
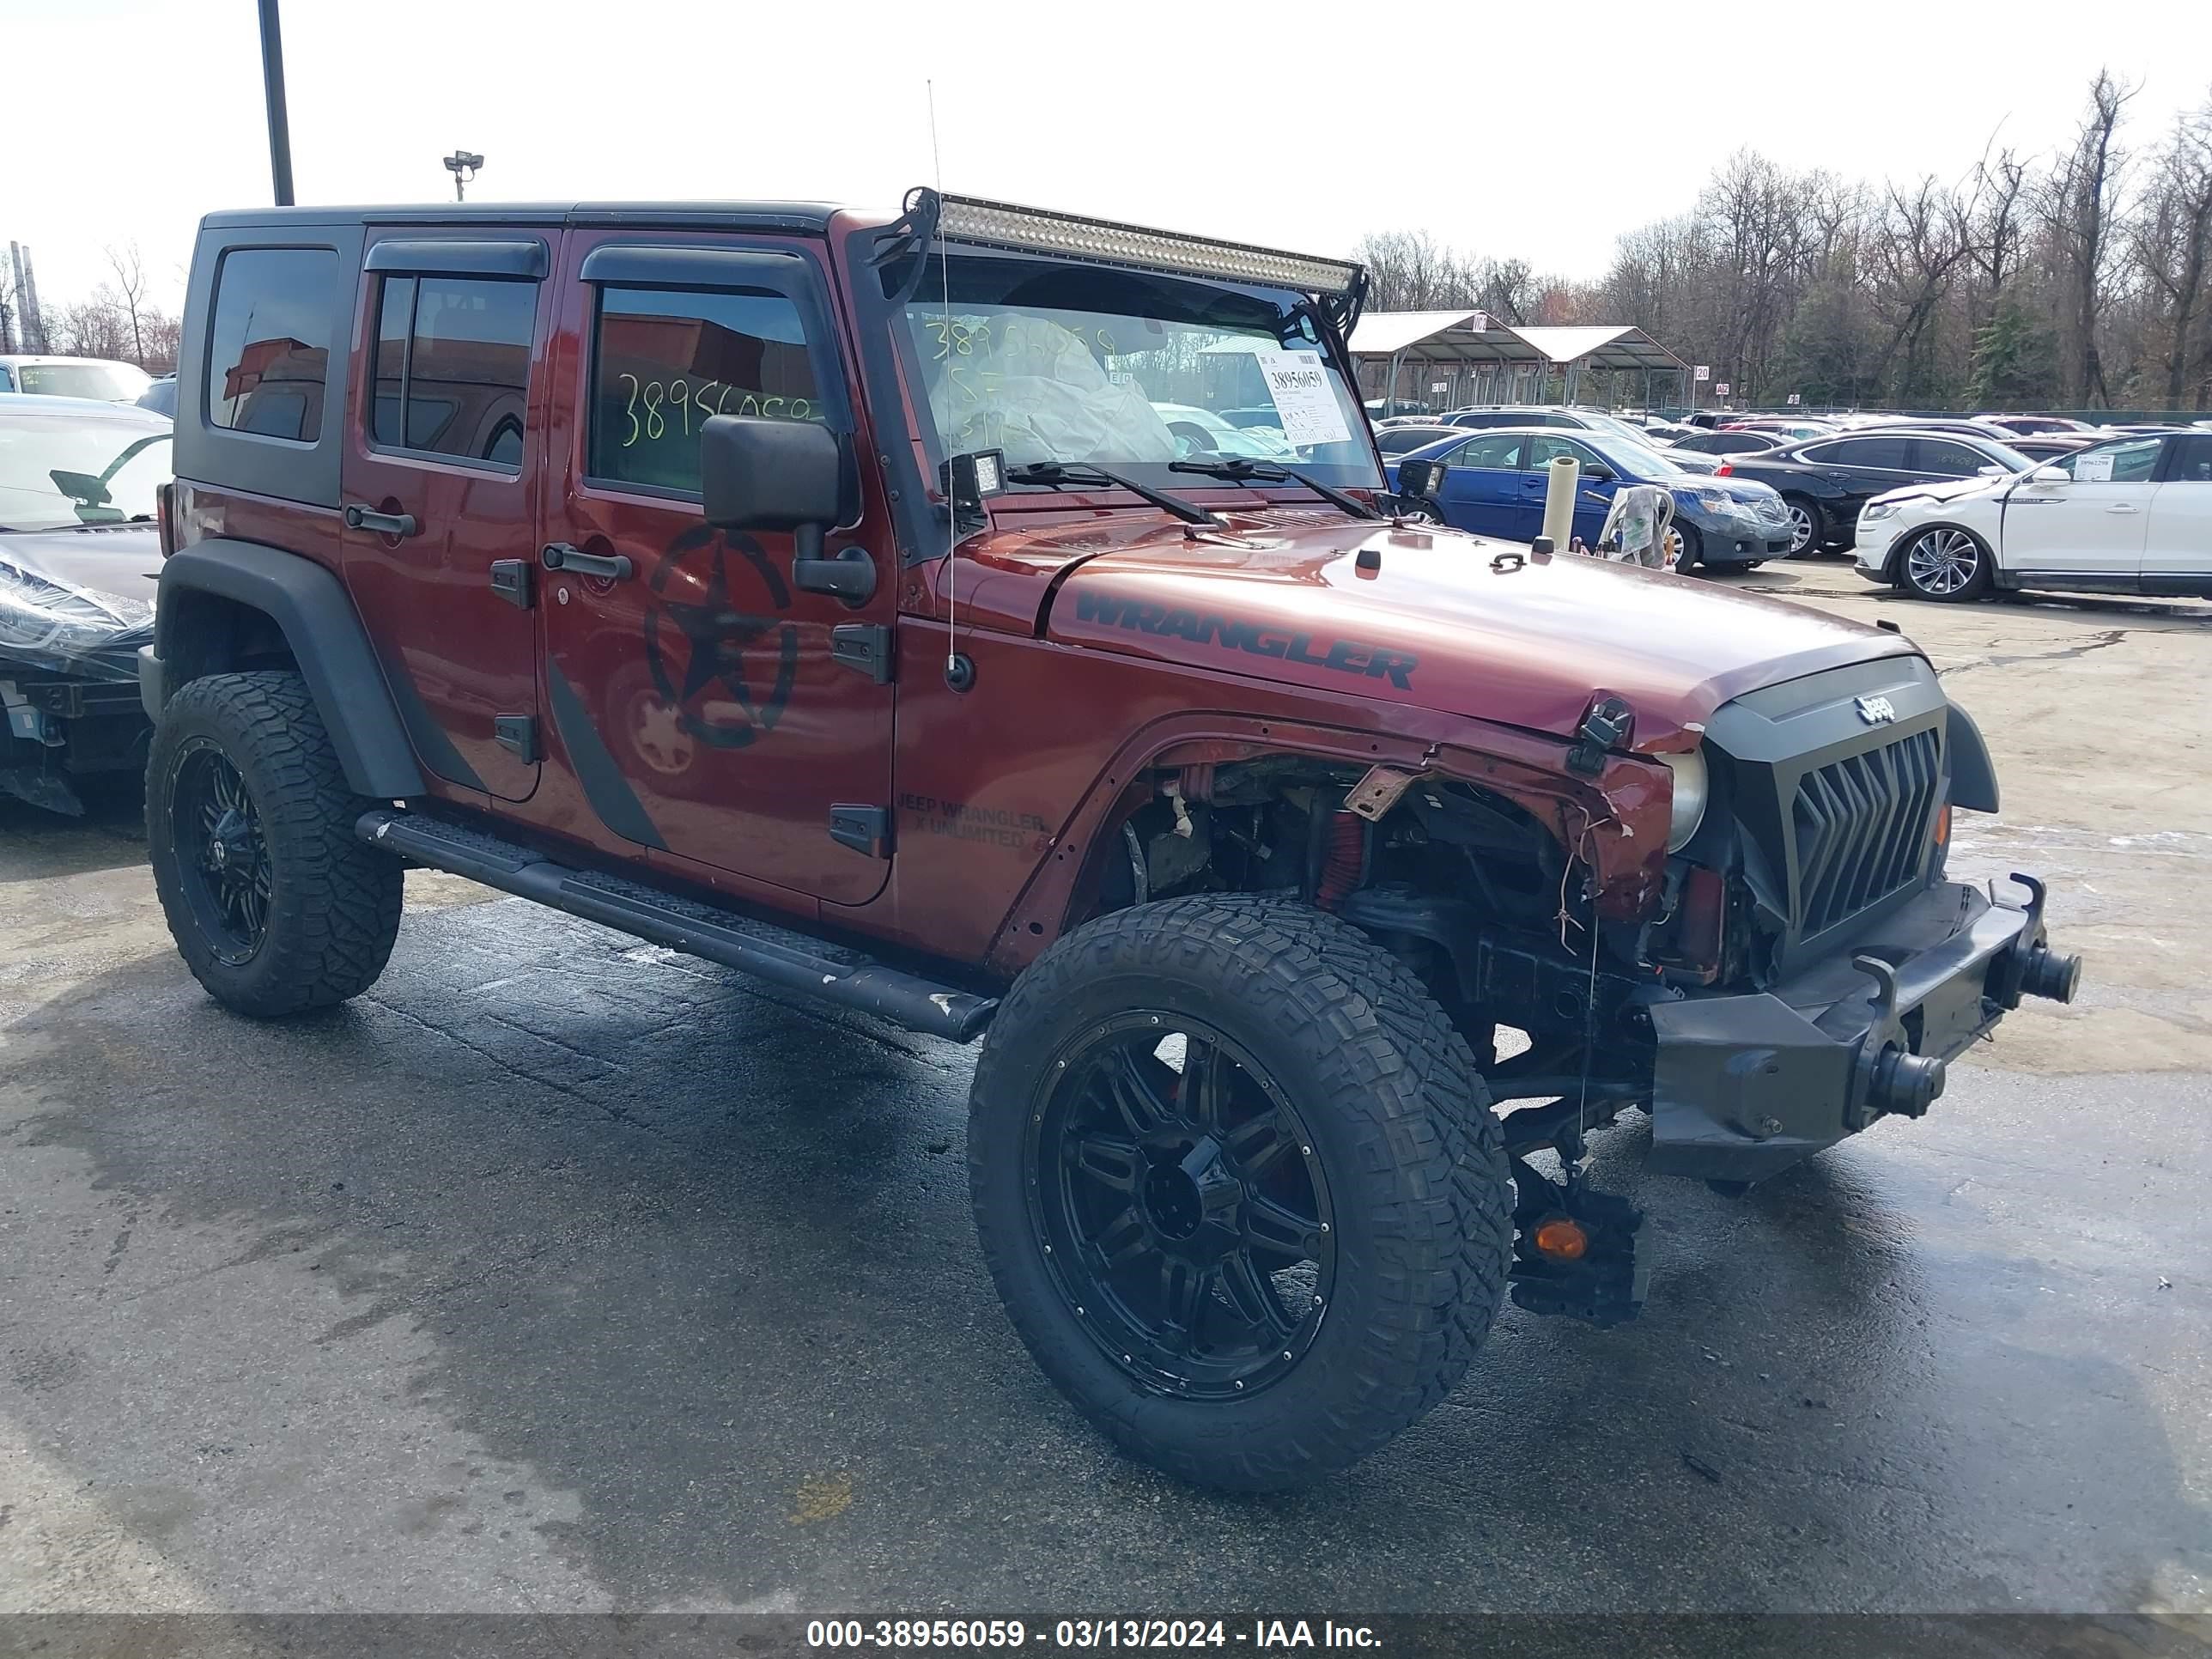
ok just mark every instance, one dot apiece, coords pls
pixel 79 553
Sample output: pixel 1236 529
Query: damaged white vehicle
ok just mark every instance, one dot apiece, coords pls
pixel 79 554
pixel 2130 516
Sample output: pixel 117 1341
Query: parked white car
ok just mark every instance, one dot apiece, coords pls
pixel 101 379
pixel 2132 515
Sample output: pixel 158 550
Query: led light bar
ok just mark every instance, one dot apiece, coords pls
pixel 1001 225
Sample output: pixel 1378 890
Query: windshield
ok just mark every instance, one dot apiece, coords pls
pixel 1123 369
pixel 112 383
pixel 63 469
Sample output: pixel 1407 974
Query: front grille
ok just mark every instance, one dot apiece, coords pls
pixel 1861 828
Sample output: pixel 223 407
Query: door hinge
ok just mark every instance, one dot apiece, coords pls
pixel 863 645
pixel 518 735
pixel 863 829
pixel 510 580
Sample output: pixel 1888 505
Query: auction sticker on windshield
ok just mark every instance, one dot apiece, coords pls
pixel 1304 397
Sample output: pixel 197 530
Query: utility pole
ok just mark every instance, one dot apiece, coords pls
pixel 272 83
pixel 459 162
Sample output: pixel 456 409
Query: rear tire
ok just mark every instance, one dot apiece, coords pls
pixel 1322 1124
pixel 1944 563
pixel 276 906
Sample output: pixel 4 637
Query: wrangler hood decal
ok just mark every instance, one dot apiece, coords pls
pixel 1442 621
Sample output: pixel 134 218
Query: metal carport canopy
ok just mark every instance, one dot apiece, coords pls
pixel 1444 336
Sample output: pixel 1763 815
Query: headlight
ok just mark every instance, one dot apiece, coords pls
pixel 1689 811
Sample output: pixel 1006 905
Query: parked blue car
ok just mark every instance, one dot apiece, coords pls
pixel 1495 480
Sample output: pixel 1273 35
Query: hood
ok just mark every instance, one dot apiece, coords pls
pixel 1445 621
pixel 78 602
pixel 1737 489
pixel 1949 490
pixel 122 559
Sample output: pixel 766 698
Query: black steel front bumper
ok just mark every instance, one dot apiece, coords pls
pixel 1744 1086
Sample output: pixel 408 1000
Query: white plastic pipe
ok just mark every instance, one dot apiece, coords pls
pixel 1566 475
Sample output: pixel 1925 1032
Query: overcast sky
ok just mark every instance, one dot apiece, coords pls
pixel 1540 131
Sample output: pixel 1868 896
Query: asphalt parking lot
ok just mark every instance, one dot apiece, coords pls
pixel 561 1273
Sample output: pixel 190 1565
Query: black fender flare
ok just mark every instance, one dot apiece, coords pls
pixel 310 606
pixel 1973 775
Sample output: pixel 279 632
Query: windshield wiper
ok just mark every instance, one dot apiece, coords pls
pixel 1237 470
pixel 1052 473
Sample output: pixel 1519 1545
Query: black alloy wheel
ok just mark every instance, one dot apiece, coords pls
pixel 276 903
pixel 1181 1205
pixel 225 870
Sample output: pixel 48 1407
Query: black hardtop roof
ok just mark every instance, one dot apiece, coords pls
pixel 811 217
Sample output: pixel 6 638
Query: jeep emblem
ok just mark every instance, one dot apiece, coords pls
pixel 1876 711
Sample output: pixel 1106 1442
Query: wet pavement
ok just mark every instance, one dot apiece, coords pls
pixel 563 1272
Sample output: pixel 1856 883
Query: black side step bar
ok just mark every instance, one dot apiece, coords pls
pixel 774 954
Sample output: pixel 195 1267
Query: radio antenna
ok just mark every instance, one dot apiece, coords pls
pixel 954 675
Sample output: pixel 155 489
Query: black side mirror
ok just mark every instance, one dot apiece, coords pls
pixel 1420 481
pixel 756 474
pixel 1597 474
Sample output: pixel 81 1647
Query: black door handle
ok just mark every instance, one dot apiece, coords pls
pixel 559 556
pixel 358 517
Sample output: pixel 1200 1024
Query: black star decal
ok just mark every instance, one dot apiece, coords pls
pixel 719 636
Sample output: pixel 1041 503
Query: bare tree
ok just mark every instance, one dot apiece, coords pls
pixel 93 328
pixel 2173 241
pixel 2078 205
pixel 1916 253
pixel 1993 223
pixel 131 292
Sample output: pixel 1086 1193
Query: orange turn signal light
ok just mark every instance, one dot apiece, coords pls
pixel 1943 826
pixel 1561 1238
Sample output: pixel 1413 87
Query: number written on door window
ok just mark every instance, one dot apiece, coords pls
pixel 666 362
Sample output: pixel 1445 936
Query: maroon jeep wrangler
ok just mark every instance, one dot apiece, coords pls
pixel 875 605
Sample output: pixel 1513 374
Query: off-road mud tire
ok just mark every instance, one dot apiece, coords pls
pixel 334 900
pixel 1400 1119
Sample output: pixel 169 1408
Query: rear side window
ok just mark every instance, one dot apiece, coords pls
pixel 666 361
pixel 269 350
pixel 453 366
pixel 1950 460
pixel 2193 460
pixel 1887 452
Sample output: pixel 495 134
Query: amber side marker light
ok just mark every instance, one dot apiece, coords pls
pixel 1561 1238
pixel 1943 826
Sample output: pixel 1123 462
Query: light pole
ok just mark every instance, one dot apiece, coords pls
pixel 463 165
pixel 272 84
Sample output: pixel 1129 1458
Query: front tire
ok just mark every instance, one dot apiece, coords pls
pixel 275 904
pixel 1945 564
pixel 1684 543
pixel 1238 1184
